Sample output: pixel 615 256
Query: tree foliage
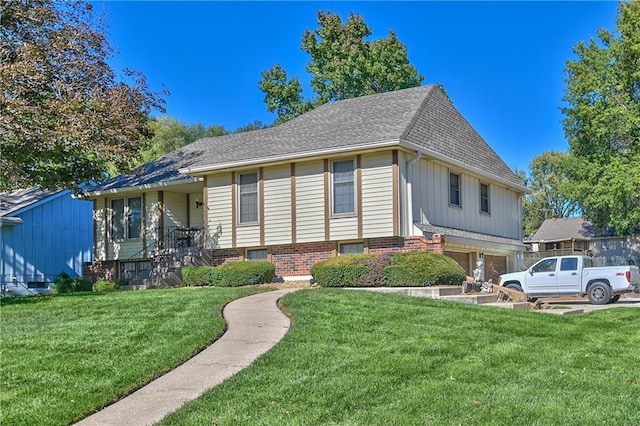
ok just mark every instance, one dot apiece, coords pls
pixel 170 134
pixel 342 64
pixel 602 122
pixel 65 116
pixel 551 196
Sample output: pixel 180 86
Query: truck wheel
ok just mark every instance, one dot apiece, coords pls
pixel 599 293
pixel 513 286
pixel 614 298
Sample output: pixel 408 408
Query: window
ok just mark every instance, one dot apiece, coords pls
pixel 249 198
pixel 37 284
pixel 351 248
pixel 343 187
pixel 126 218
pixel 547 265
pixel 257 254
pixel 454 189
pixel 484 198
pixel 135 271
pixel 569 264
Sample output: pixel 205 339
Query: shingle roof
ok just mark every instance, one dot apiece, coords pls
pixel 420 118
pixel 566 229
pixel 11 202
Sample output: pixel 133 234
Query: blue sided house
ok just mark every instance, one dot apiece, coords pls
pixel 43 234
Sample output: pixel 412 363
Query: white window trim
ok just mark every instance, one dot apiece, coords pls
pixel 332 189
pixel 126 217
pixel 239 199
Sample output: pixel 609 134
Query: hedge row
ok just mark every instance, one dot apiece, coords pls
pixel 414 269
pixel 233 274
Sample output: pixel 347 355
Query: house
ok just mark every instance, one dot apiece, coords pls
pixel 576 235
pixel 395 171
pixel 44 233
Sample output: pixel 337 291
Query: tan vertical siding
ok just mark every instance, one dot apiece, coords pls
pixel 277 205
pixel 378 201
pixel 219 207
pixel 196 214
pixel 175 209
pixel 100 228
pixel 310 201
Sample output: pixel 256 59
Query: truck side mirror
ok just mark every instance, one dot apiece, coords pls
pixel 530 270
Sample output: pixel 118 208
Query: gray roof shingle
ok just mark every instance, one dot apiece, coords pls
pixel 12 202
pixel 567 228
pixel 420 117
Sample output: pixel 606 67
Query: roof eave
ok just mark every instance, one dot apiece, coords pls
pixel 155 185
pixel 200 170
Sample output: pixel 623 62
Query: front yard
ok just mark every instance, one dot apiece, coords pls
pixel 349 358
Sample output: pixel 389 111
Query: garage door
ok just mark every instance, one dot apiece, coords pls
pixel 494 266
pixel 462 259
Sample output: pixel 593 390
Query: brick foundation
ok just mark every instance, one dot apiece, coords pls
pixel 297 259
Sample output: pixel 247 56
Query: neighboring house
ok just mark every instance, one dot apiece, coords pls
pixel 576 235
pixel 44 233
pixel 396 171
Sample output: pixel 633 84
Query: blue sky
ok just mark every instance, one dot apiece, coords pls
pixel 502 63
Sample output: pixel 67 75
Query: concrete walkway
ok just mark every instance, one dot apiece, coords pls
pixel 254 325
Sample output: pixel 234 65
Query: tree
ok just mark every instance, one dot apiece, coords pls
pixel 170 134
pixel 342 65
pixel 65 116
pixel 551 196
pixel 602 122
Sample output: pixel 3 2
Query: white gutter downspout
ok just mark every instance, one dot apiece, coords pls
pixel 409 209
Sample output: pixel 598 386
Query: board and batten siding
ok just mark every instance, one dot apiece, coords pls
pixel 430 184
pixel 277 205
pixel 310 201
pixel 219 200
pixel 377 195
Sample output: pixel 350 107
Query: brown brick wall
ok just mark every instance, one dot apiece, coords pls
pixel 102 269
pixel 297 259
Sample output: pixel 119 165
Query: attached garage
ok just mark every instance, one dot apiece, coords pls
pixel 463 259
pixel 494 266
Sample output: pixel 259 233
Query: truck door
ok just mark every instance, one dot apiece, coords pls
pixel 569 276
pixel 543 277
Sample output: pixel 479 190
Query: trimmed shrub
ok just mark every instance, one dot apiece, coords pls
pixel 65 284
pixel 421 269
pixel 197 275
pixel 343 271
pixel 105 285
pixel 233 274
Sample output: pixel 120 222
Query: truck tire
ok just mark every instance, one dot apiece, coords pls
pixel 514 286
pixel 614 298
pixel 599 293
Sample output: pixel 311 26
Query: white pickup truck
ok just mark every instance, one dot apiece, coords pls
pixel 574 276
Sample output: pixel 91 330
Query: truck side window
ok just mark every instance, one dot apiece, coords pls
pixel 547 265
pixel 569 264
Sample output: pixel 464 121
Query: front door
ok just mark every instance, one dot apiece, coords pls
pixel 543 278
pixel 569 276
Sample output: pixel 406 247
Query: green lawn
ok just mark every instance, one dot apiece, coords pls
pixel 361 358
pixel 66 356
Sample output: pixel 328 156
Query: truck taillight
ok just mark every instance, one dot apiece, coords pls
pixel 628 275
